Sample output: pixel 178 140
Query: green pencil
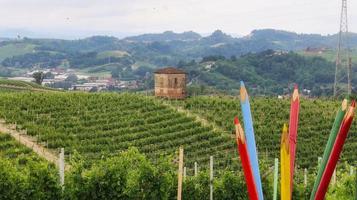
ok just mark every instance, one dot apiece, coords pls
pixel 331 140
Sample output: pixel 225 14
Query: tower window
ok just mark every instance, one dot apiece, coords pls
pixel 175 82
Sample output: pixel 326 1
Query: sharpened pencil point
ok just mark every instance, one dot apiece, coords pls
pixel 236 120
pixel 285 128
pixel 242 84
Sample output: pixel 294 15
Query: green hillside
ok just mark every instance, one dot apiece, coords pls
pixel 100 125
pixel 269 115
pixel 217 61
pixel 108 54
pixel 15 49
pixel 267 73
pixel 18 86
pixel 330 55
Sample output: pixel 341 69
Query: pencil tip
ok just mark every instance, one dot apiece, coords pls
pixel 295 86
pixel 353 103
pixel 236 120
pixel 242 84
pixel 344 104
pixel 243 92
pixel 285 127
pixel 295 93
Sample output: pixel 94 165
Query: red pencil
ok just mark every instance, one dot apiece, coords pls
pixel 293 127
pixel 247 168
pixel 335 153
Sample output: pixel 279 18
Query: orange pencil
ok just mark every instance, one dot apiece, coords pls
pixel 244 157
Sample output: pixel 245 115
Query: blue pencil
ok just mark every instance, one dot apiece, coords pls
pixel 249 132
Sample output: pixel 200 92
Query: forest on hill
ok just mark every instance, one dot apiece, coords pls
pixel 267 73
pixel 265 59
pixel 162 49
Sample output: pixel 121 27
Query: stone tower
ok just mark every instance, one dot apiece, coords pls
pixel 170 83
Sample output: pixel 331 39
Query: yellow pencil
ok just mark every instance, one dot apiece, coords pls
pixel 285 165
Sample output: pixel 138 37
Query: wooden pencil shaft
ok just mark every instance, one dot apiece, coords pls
pixel 250 138
pixel 293 127
pixel 285 165
pixel 246 164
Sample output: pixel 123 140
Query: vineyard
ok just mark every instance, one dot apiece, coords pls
pixel 100 125
pixel 23 175
pixel 129 175
pixel 269 115
pixel 96 131
pixel 18 86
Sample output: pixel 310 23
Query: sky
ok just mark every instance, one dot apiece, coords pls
pixel 82 18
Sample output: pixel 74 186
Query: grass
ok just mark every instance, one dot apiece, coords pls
pixel 16 86
pixel 107 54
pixel 15 49
pixel 138 64
pixel 99 71
pixel 330 55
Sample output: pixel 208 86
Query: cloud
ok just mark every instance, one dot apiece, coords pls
pixel 136 16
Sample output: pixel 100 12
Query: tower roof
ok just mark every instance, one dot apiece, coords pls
pixel 169 70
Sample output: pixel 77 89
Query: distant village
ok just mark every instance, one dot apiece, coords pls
pixel 69 79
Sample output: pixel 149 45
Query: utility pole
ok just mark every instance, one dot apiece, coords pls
pixel 343 71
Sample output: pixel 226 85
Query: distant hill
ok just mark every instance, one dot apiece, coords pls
pixel 133 57
pixel 4 39
pixel 218 37
pixel 292 41
pixel 165 36
pixel 268 73
pixel 169 47
pixel 190 44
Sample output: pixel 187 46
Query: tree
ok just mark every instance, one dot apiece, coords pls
pixel 72 78
pixel 38 76
pixel 49 75
pixel 233 58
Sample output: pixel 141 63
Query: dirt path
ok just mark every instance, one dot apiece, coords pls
pixel 29 142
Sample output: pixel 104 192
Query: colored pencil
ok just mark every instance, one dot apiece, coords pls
pixel 244 157
pixel 285 192
pixel 331 141
pixel 293 127
pixel 249 134
pixel 335 153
